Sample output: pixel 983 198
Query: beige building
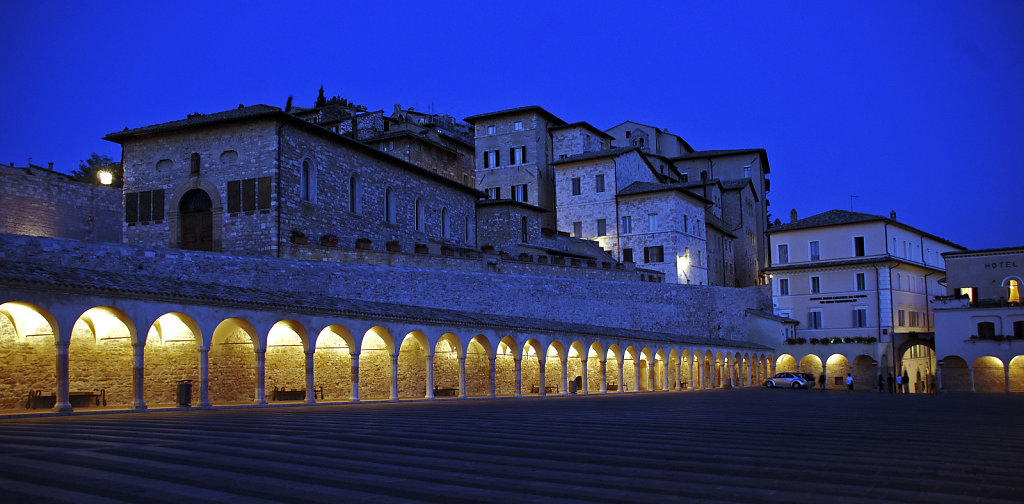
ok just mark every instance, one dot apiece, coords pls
pixel 979 325
pixel 859 285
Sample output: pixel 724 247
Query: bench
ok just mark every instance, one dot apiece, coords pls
pixel 611 387
pixel 446 391
pixel 78 399
pixel 547 389
pixel 283 394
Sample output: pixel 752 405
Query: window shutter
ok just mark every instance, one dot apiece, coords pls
pixel 234 196
pixel 131 207
pixel 145 206
pixel 263 192
pixel 522 154
pixel 511 155
pixel 497 158
pixel 524 193
pixel 158 204
pixel 249 195
pixel 487 159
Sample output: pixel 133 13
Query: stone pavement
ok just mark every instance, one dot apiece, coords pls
pixel 752 445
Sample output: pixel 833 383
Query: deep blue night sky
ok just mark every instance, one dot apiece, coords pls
pixel 914 107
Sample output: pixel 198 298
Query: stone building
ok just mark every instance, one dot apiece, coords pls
pixel 979 323
pixel 251 179
pixel 860 285
pixel 648 139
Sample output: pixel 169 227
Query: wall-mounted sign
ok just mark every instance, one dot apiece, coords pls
pixel 850 298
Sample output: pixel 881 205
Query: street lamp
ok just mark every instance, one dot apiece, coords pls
pixel 105 177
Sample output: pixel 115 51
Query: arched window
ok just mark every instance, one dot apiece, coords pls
pixel 986 330
pixel 1012 290
pixel 420 217
pixel 469 230
pixel 195 163
pixel 307 182
pixel 444 223
pixel 703 175
pixel 355 196
pixel 525 231
pixel 389 205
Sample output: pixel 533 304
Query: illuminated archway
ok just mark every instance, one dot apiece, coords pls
pixel 171 355
pixel 784 364
pixel 505 367
pixel 865 375
pixel 574 367
pixel 285 363
pixel 630 366
pixel 594 355
pixel 233 362
pixel 1017 374
pixel 375 368
pixel 660 377
pixel 686 364
pixel 332 363
pixel 956 376
pixel 719 372
pixel 554 380
pixel 613 369
pixel 836 368
pixel 917 362
pixel 644 369
pixel 446 366
pixel 988 374
pixel 673 369
pixel 412 366
pixel 811 364
pixel 27 339
pixel 529 367
pixel 100 359
pixel 478 367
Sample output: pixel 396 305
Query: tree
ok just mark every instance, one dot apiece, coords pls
pixel 88 170
pixel 320 100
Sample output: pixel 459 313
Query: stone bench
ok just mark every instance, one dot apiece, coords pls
pixel 446 391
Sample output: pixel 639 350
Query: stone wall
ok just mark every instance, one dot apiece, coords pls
pixel 374 368
pixel 172 354
pixel 101 365
pixel 28 364
pixel 232 369
pixel 41 202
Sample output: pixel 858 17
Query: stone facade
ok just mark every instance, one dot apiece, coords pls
pixel 52 204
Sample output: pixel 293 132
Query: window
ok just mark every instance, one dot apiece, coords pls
pixel 144 207
pixel 602 227
pixel 858 246
pixel 815 285
pixel 986 330
pixel 519 192
pixel 307 182
pixel 492 159
pixel 387 146
pixel 915 319
pixel 194 164
pixel 493 192
pixel 419 217
pixel 1018 329
pixel 746 172
pixel 469 230
pixel 899 281
pixel 517 126
pixel 577 229
pixel 783 254
pixel 517 155
pixel 575 186
pixel 599 182
pixel 902 318
pixel 389 205
pixel 814 249
pixel 355 196
pixel 686 223
pixel 860 317
pixel 783 286
pixel 523 224
pixel 627 224
pixel 444 223
pixel 814 319
pixel 861 281
pixel 1012 291
pixel 627 255
pixel 654 254
pixel 490 129
pixel 652 222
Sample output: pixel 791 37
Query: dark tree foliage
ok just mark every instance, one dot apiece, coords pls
pixel 88 170
pixel 321 101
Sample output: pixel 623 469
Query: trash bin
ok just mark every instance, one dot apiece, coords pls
pixel 185 393
pixel 572 387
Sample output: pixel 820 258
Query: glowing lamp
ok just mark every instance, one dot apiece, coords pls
pixel 106 178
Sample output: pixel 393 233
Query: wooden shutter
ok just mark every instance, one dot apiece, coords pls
pixel 263 192
pixel 497 158
pixel 234 196
pixel 158 205
pixel 145 206
pixel 249 195
pixel 131 207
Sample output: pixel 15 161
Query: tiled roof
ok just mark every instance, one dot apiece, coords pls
pixel 726 152
pixel 719 224
pixel 651 187
pixel 227 115
pixel 594 155
pixel 772 316
pixel 585 125
pixel 530 108
pixel 31 275
pixel 829 218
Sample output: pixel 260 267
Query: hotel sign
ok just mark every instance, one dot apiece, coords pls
pixel 852 298
pixel 1001 265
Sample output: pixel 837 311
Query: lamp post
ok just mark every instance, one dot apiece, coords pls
pixel 105 177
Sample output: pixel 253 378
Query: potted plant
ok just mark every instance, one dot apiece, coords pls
pixel 329 240
pixel 298 237
pixel 814 341
pixel 363 244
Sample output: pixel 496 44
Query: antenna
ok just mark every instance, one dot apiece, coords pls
pixel 852 196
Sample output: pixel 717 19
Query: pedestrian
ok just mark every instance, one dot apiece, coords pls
pixel 906 382
pixel 889 381
pixel 821 381
pixel 933 388
pixel 849 382
pixel 899 384
pixel 881 383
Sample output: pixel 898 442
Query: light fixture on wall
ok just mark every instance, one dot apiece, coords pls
pixel 105 177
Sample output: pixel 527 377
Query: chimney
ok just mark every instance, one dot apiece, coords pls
pixel 398 108
pixel 892 215
pixel 50 165
pixel 792 215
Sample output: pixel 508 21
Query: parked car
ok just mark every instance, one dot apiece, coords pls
pixel 789 380
pixel 809 378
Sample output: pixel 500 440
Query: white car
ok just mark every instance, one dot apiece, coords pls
pixel 788 380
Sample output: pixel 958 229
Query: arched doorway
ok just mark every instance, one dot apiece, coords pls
pixel 195 215
pixel 917 364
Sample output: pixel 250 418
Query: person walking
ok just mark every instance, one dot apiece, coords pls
pixel 821 381
pixel 889 381
pixel 899 384
pixel 881 383
pixel 906 382
pixel 849 382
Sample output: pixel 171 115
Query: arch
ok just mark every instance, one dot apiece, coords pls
pixel 630 369
pixel 447 370
pixel 285 360
pixel 529 367
pixel 574 363
pixel 28 334
pixel 478 366
pixel 553 373
pixel 613 369
pixel 419 216
pixel 375 350
pixel 195 218
pixel 736 370
pixel 1017 374
pixel 412 365
pixel 837 366
pixel 707 366
pixel 332 362
pixel 686 360
pixel 506 355
pixel 232 374
pixel 355 194
pixel 445 226
pixel 660 378
pixel 171 354
pixel 917 363
pixel 719 371
pixel 595 354
pixel 988 374
pixel 956 375
pixel 1012 286
pixel 307 181
pixel 389 205
pixel 812 364
pixel 673 369
pixel 865 376
pixel 100 356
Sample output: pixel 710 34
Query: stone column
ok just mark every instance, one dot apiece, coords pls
pixel 430 377
pixel 543 380
pixel 690 371
pixel 490 365
pixel 622 384
pixel 679 375
pixel 519 376
pixel 970 375
pixel 355 378
pixel 462 376
pixel 62 404
pixel 938 378
pixel 139 375
pixel 586 387
pixel 604 376
pixel 636 376
pixel 310 386
pixel 204 377
pixel 565 376
pixel 1006 372
pixel 261 373
pixel 394 377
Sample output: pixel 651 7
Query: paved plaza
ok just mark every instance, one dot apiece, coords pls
pixel 752 445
